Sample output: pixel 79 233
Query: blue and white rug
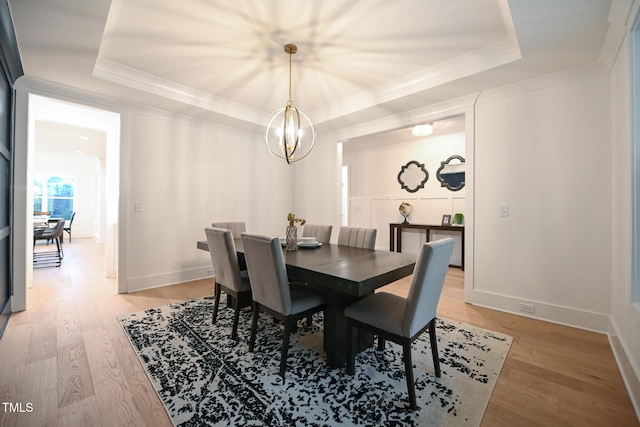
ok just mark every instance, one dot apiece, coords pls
pixel 203 377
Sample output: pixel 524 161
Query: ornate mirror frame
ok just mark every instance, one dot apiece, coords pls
pixel 458 185
pixel 413 176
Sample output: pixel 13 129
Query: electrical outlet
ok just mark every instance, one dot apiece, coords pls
pixel 210 272
pixel 527 308
pixel 138 207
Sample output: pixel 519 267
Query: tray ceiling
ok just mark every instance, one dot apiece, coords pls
pixel 357 61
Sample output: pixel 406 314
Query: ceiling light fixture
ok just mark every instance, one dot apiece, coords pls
pixel 288 126
pixel 422 130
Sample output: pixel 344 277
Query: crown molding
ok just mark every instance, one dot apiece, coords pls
pixel 619 24
pixel 408 118
pixel 549 80
pixel 136 79
pixel 480 60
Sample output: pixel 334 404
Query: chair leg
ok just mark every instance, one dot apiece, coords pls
pixel 285 346
pixel 309 319
pixel 217 291
pixel 408 368
pixel 381 343
pixel 434 347
pixel 236 315
pixel 254 325
pixel 60 253
pixel 351 354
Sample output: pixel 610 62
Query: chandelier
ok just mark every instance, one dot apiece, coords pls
pixel 290 134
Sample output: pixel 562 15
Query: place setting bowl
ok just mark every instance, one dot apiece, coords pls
pixel 309 242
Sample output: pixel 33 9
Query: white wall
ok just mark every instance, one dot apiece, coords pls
pixel 375 193
pixel 100 220
pixel 85 170
pixel 543 148
pixel 546 153
pixel 187 174
pixel 317 185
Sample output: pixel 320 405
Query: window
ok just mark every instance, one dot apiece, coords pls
pixel 55 194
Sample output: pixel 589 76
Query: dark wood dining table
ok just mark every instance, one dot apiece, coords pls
pixel 346 274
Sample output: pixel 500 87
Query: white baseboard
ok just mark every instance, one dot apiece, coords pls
pixel 629 372
pixel 597 322
pixel 165 279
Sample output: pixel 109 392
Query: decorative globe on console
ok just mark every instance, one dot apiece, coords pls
pixel 405 210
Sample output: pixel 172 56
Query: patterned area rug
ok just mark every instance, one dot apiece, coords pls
pixel 205 378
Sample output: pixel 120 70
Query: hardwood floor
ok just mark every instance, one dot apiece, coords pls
pixel 67 362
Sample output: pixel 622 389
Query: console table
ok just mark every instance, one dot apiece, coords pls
pixel 395 234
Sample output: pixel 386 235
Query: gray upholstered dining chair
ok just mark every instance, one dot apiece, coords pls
pixel 49 258
pixel 272 292
pixel 321 232
pixel 357 237
pixel 68 224
pixel 236 228
pixel 402 320
pixel 228 274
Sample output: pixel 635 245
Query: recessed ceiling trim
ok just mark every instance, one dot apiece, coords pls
pixel 136 79
pixel 480 60
pixel 225 49
pixel 434 112
pixel 484 59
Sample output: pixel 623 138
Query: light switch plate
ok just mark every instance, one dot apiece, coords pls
pixel 503 210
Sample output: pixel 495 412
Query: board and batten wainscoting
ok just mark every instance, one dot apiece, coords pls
pixel 378 212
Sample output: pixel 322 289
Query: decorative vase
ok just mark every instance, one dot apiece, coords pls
pixel 292 238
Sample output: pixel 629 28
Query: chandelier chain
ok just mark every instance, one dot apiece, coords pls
pixel 290 101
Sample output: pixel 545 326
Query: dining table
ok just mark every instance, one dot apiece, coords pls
pixel 40 221
pixel 346 274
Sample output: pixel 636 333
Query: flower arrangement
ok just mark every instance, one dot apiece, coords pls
pixel 292 219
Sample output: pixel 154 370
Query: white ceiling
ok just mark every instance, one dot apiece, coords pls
pixel 64 139
pixel 357 61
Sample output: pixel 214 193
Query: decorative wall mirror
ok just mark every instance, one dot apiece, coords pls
pixel 451 173
pixel 413 176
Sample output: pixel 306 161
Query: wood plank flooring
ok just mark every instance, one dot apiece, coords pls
pixel 69 359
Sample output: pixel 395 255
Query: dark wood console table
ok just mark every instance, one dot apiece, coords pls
pixel 395 234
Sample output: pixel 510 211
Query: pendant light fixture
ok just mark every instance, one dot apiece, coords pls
pixel 290 134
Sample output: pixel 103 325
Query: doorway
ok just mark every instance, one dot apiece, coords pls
pixel 65 132
pixel 344 196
